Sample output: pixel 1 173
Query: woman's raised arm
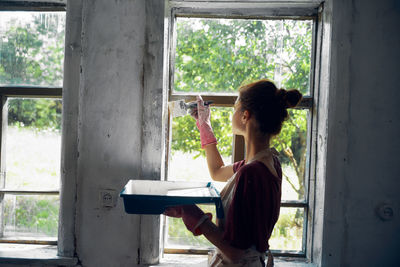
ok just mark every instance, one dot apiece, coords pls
pixel 218 171
pixel 216 166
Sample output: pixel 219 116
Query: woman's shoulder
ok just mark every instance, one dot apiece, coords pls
pixel 237 165
pixel 254 166
pixel 259 169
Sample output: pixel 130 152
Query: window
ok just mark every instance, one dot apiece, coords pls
pixel 31 77
pixel 212 50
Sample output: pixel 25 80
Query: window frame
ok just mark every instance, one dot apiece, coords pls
pixel 254 10
pixel 24 92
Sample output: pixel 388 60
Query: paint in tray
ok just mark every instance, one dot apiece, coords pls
pixel 153 197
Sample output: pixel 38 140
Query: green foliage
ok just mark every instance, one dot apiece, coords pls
pixel 215 56
pixel 186 137
pixel 17 55
pixel 295 126
pixel 37 113
pixel 288 231
pixel 35 215
pixel 31 53
pixel 211 58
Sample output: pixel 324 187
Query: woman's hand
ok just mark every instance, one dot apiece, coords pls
pixel 191 216
pixel 202 115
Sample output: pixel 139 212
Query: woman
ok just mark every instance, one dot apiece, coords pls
pixel 251 198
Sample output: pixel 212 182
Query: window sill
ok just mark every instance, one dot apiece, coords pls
pixel 180 260
pixel 33 254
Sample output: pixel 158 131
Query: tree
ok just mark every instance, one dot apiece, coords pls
pixel 31 53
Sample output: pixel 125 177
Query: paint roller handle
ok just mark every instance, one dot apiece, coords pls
pixel 193 105
pixel 202 115
pixel 193 110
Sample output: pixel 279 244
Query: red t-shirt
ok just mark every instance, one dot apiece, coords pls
pixel 255 205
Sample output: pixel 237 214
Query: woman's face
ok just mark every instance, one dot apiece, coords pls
pixel 237 126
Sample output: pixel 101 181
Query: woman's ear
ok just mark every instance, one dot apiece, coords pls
pixel 245 116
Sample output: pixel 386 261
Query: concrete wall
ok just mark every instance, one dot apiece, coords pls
pixel 110 128
pixel 116 55
pixel 103 120
pixel 110 120
pixel 364 128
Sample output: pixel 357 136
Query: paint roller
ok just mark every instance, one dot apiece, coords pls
pixel 180 108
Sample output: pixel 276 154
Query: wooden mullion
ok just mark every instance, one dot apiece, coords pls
pixel 293 204
pixel 187 251
pixel 30 91
pixel 244 10
pixel 29 192
pixel 288 253
pixel 306 103
pixel 219 100
pixel 192 251
pixel 228 100
pixel 3 128
pixel 49 6
pixel 28 241
pixel 238 148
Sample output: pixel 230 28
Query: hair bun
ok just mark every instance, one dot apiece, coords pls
pixel 291 97
pixel 281 96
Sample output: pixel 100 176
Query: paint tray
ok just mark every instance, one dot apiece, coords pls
pixel 153 197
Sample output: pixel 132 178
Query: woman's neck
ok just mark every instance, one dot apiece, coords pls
pixel 254 144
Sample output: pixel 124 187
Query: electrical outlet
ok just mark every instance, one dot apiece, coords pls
pixel 108 198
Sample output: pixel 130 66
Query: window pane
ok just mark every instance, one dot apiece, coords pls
pixel 288 231
pixel 218 55
pixel 292 146
pixel 179 237
pixel 32 48
pixel 33 143
pixel 187 159
pixel 30 216
pixel 188 163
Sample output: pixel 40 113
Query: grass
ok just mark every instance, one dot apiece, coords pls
pixel 32 162
pixel 32 158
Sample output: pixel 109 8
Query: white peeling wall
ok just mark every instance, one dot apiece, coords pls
pixel 363 168
pixel 374 135
pixel 110 120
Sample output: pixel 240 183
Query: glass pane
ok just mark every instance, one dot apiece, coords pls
pixel 292 146
pixel 188 163
pixel 187 159
pixel 179 237
pixel 30 216
pixel 288 231
pixel 33 143
pixel 218 55
pixel 32 48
